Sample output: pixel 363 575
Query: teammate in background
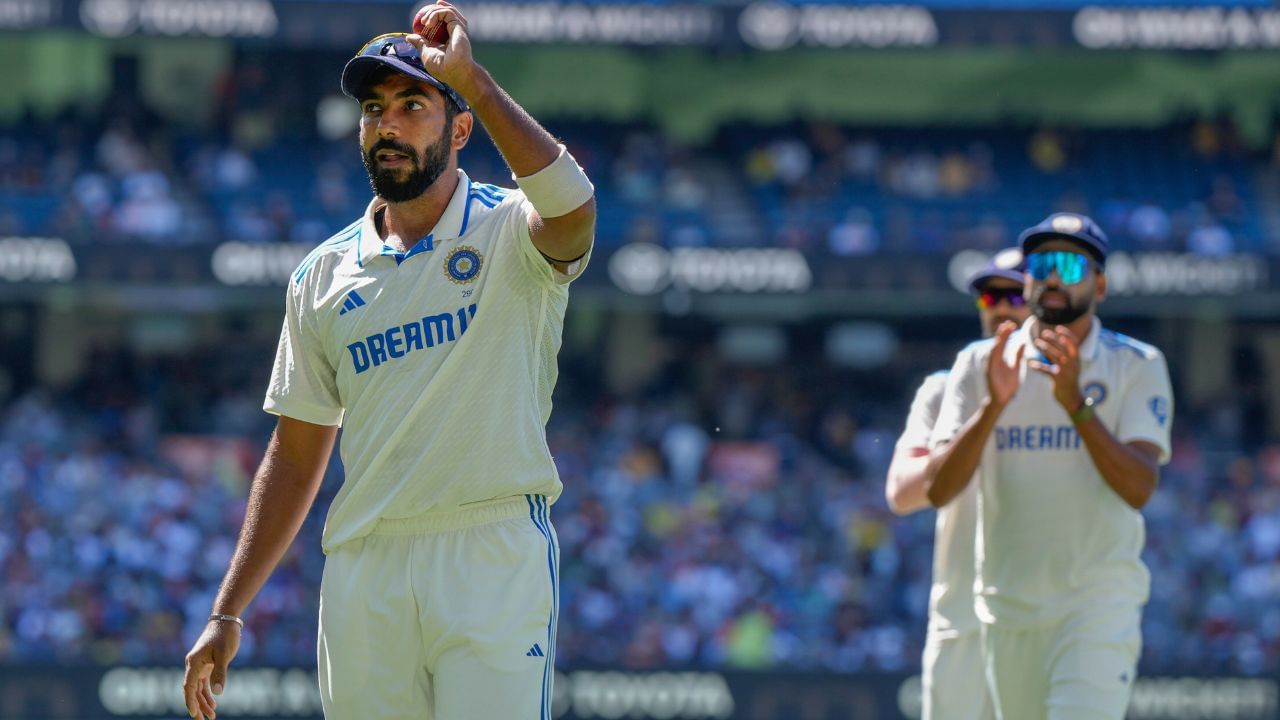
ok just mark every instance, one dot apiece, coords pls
pixel 429 330
pixel 954 683
pixel 1066 425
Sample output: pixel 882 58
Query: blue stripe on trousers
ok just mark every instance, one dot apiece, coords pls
pixel 538 514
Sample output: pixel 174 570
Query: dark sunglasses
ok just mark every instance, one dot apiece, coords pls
pixel 398 44
pixel 1071 267
pixel 988 299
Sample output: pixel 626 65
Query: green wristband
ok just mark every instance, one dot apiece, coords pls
pixel 1083 414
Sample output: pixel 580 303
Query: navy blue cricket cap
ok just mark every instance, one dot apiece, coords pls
pixel 1080 229
pixel 397 53
pixel 1008 264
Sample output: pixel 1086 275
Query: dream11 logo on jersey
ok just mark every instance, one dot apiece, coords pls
pixel 396 342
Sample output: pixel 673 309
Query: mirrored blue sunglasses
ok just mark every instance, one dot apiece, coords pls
pixel 1071 267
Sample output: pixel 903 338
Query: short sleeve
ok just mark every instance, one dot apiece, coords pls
pixel 924 412
pixel 960 399
pixel 1147 409
pixel 518 226
pixel 303 382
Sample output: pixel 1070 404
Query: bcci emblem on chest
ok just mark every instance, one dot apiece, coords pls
pixel 1095 391
pixel 463 264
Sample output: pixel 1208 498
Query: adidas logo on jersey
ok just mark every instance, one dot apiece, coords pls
pixel 535 651
pixel 352 302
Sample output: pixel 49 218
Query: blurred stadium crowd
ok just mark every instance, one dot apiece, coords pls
pixel 721 517
pixel 125 175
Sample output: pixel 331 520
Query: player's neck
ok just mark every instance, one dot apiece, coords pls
pixel 408 222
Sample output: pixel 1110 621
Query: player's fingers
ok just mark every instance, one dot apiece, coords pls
pixel 441 18
pixel 420 19
pixel 1051 351
pixel 461 18
pixel 1067 339
pixel 1002 338
pixel 458 37
pixel 1050 370
pixel 190 685
pixel 427 20
pixel 446 15
pixel 426 10
pixel 1062 352
pixel 218 678
pixel 207 702
pixel 207 708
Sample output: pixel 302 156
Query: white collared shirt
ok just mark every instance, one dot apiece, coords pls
pixel 951 595
pixel 439 362
pixel 1054 537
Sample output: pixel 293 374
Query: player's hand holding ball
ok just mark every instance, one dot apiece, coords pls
pixel 440 34
pixel 436 36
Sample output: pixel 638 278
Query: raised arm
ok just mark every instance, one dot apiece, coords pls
pixel 564 224
pixel 952 465
pixel 1130 465
pixel 282 493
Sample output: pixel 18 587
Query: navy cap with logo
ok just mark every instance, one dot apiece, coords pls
pixel 1008 264
pixel 1080 229
pixel 392 51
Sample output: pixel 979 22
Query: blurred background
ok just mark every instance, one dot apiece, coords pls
pixel 790 197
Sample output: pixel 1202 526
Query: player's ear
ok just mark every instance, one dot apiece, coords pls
pixel 463 124
pixel 1100 288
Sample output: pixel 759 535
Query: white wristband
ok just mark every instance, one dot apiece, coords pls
pixel 557 189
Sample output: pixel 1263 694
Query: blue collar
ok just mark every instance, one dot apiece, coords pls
pixel 452 223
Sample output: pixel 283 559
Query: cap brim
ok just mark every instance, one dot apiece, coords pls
pixel 977 280
pixel 1033 240
pixel 359 68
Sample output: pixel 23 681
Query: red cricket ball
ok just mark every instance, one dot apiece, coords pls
pixel 437 35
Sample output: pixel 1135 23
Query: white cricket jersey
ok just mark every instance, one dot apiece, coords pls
pixel 951 596
pixel 1054 536
pixel 439 362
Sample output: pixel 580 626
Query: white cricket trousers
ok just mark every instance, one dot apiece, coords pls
pixel 450 616
pixel 955 678
pixel 1079 668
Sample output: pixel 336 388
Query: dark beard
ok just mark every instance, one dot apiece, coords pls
pixel 1058 316
pixel 425 171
